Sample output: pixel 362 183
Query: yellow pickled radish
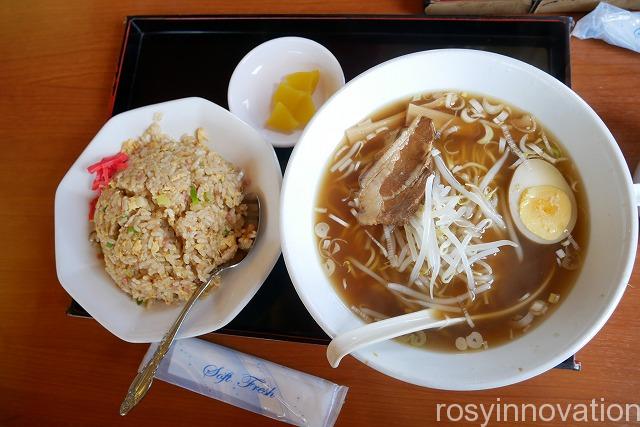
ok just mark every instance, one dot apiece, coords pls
pixel 293 106
pixel 281 119
pixel 288 96
pixel 305 110
pixel 304 80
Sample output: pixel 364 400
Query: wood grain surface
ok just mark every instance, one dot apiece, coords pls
pixel 57 62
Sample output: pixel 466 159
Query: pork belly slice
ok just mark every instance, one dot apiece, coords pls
pixel 391 190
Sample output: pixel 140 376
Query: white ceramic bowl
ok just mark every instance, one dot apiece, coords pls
pixel 613 222
pixel 258 74
pixel 82 274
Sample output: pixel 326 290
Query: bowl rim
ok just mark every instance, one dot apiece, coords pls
pixel 105 321
pixel 611 303
pixel 235 80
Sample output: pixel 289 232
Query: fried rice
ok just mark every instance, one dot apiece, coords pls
pixel 173 215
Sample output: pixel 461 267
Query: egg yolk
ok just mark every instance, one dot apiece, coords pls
pixel 545 210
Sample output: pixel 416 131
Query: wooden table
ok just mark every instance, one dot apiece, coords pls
pixel 57 61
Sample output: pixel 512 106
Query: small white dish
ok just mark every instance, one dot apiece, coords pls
pixel 258 74
pixel 82 273
pixel 612 201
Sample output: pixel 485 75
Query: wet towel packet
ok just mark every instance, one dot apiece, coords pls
pixel 612 24
pixel 250 383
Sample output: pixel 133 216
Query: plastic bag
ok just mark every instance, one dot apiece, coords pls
pixel 612 24
pixel 250 383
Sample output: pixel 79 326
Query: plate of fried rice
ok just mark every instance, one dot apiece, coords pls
pixel 152 205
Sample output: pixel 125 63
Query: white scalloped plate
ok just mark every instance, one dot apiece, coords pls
pixel 82 274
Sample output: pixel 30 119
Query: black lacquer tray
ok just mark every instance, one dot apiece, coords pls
pixel 169 57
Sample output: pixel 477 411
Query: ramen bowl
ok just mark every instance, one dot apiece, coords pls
pixel 611 207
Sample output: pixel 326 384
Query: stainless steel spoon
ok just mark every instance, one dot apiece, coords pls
pixel 142 382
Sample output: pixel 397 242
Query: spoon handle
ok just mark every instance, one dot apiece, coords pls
pixel 142 382
pixel 382 330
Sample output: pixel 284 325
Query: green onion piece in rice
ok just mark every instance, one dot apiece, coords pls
pixel 109 245
pixel 162 200
pixel 194 195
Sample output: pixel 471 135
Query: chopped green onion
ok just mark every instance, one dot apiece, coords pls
pixel 556 151
pixel 139 301
pixel 194 195
pixel 130 229
pixel 109 245
pixel 226 232
pixel 163 200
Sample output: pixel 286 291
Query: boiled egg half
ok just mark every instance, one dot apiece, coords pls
pixel 541 203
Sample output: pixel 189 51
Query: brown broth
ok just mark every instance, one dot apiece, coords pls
pixel 512 278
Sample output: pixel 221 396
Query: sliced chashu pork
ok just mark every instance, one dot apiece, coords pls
pixel 391 190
